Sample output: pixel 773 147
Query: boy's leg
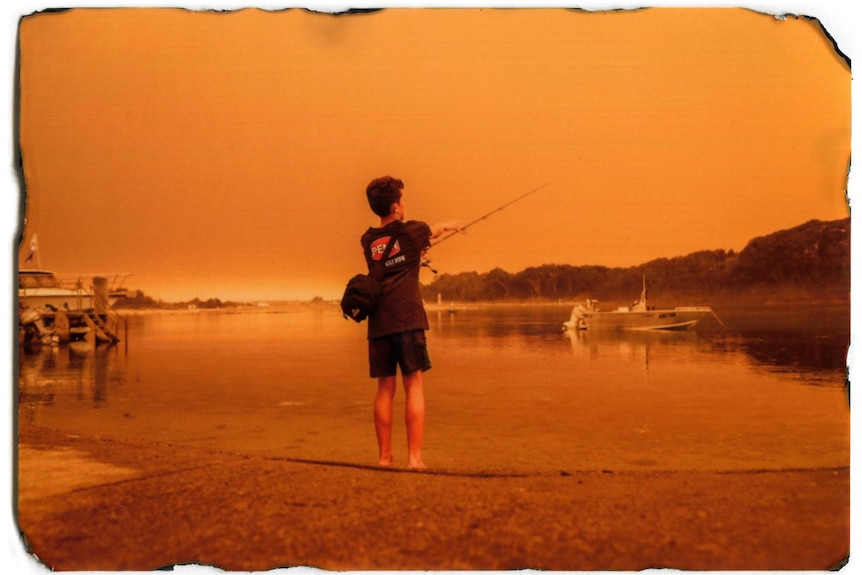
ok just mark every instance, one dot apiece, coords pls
pixel 383 417
pixel 415 418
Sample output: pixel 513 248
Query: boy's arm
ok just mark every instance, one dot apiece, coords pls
pixel 438 229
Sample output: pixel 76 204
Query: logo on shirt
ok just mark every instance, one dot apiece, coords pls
pixel 378 248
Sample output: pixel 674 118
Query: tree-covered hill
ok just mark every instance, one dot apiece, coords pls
pixel 809 261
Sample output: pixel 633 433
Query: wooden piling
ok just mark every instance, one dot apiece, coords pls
pixel 62 328
pixel 100 295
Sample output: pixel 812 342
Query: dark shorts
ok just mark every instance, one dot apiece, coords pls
pixel 407 350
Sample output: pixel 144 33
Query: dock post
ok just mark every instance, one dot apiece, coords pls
pixel 100 295
pixel 62 327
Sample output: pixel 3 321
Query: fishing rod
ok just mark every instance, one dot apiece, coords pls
pixel 489 214
pixel 427 264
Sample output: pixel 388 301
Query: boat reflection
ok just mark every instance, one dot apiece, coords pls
pixel 634 346
pixel 78 372
pixel 626 343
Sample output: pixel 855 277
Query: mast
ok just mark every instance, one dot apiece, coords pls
pixel 641 304
pixel 643 291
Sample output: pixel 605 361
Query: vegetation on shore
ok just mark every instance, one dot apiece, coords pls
pixel 139 300
pixel 808 262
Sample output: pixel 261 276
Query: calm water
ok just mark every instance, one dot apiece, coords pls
pixel 508 391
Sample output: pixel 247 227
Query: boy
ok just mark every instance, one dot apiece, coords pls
pixel 396 327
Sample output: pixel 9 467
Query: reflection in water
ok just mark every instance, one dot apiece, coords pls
pixel 631 345
pixel 699 398
pixel 628 342
pixel 807 353
pixel 509 390
pixel 500 325
pixel 809 341
pixel 79 372
pixel 812 341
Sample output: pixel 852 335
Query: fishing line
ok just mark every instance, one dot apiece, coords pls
pixel 427 264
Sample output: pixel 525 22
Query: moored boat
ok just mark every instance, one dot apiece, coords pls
pixel 638 316
pixel 52 311
pixel 39 289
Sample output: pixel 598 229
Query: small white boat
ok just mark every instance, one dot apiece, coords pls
pixel 638 316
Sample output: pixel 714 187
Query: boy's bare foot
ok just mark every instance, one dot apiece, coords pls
pixel 416 465
pixel 386 461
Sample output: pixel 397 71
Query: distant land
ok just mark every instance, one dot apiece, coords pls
pixel 808 263
pixel 138 300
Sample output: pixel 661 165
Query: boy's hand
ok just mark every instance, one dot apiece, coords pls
pixel 442 227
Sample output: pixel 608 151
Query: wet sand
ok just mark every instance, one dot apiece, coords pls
pixel 89 503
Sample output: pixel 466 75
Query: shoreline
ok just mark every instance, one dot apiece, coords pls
pixel 141 505
pixel 733 302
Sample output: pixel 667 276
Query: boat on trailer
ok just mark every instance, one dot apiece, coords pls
pixel 638 316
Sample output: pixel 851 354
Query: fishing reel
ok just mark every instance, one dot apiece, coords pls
pixel 426 263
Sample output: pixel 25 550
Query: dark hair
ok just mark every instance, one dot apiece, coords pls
pixel 382 193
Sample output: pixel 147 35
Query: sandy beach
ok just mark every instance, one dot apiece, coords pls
pixel 89 503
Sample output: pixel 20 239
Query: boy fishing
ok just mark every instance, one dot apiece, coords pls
pixel 397 325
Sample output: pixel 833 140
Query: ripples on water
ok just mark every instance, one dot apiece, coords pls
pixel 508 391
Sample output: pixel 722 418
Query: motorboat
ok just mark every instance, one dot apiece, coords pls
pixel 40 289
pixel 52 311
pixel 638 316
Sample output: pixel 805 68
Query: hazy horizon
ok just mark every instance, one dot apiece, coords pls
pixel 427 280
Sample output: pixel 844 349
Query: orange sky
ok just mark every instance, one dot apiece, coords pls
pixel 226 154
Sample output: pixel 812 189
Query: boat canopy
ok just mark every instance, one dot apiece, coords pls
pixel 37 279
